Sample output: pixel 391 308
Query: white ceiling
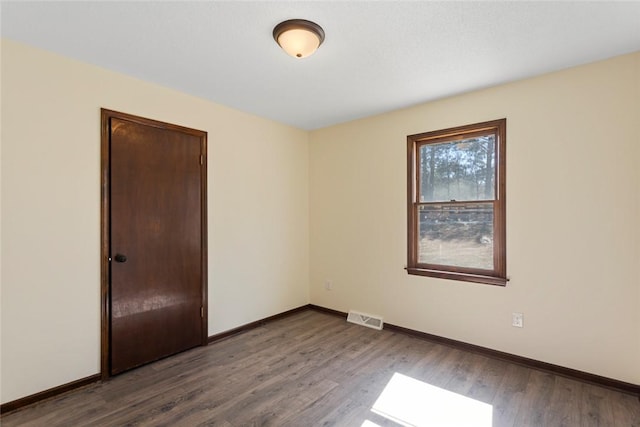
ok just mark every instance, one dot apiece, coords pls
pixel 377 56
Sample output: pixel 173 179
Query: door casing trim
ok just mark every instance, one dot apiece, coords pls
pixel 105 226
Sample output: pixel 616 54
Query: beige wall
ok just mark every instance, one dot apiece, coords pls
pixel 50 195
pixel 277 201
pixel 573 215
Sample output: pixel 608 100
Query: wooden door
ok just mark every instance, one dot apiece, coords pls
pixel 156 232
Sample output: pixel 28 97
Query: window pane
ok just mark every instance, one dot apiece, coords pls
pixel 458 170
pixel 458 236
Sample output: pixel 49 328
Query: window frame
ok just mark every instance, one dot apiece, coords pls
pixel 496 276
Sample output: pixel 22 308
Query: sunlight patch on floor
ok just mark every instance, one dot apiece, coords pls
pixel 413 403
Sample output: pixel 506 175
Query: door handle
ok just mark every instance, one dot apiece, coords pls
pixel 120 258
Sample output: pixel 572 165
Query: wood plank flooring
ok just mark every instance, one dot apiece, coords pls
pixel 315 369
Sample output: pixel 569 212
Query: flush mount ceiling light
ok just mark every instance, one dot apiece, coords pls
pixel 298 37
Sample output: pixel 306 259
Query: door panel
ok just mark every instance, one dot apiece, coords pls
pixel 156 243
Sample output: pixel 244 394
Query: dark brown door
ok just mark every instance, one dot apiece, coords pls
pixel 156 242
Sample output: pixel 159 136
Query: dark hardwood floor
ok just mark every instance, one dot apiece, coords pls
pixel 315 369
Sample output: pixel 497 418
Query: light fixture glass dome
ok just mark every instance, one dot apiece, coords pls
pixel 298 37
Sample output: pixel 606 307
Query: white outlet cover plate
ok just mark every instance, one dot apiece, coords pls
pixel 517 320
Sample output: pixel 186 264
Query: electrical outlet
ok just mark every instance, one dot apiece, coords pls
pixel 328 285
pixel 517 320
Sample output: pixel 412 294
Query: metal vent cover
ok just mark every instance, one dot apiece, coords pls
pixel 368 320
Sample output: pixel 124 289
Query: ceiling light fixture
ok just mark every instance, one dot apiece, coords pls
pixel 298 37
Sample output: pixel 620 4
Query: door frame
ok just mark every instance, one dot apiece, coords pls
pixel 105 225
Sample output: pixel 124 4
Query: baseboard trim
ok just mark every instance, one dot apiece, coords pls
pixel 327 310
pixel 257 323
pixel 573 374
pixel 570 373
pixel 46 394
pixel 55 391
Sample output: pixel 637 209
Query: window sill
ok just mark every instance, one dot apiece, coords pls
pixel 463 277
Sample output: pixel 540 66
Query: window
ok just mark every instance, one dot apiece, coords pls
pixel 456 203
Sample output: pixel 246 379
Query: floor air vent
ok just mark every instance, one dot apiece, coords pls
pixel 367 320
